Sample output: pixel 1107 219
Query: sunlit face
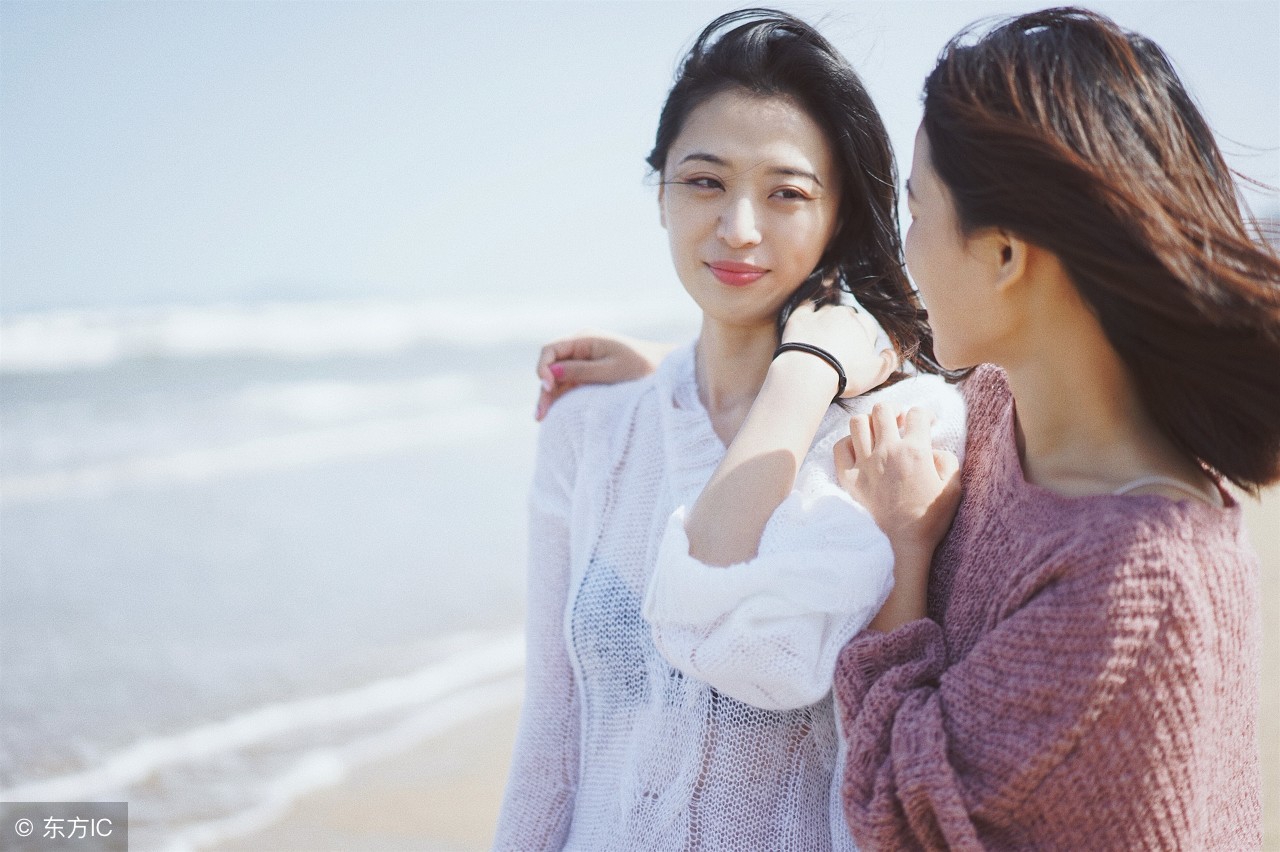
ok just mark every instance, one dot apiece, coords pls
pixel 750 201
pixel 944 266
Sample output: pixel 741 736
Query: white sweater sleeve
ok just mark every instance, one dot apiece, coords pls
pixel 767 631
pixel 542 784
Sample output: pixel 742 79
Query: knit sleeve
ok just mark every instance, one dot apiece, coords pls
pixel 1071 720
pixel 543 780
pixel 767 631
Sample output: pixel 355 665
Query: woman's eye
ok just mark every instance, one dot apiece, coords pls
pixel 789 194
pixel 703 183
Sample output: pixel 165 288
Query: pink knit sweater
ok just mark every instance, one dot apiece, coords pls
pixel 1087 677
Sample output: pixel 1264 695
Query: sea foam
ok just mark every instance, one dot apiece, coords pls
pixel 268 454
pixel 79 340
pixel 493 658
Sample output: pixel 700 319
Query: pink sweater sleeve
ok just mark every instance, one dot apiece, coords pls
pixel 1090 711
pixel 538 805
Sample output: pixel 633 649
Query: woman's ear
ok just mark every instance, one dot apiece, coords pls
pixel 1009 259
pixel 662 207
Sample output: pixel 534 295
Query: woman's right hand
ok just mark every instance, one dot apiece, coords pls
pixel 851 336
pixel 594 358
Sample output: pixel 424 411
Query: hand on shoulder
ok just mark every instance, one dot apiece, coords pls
pixel 590 358
pixel 889 465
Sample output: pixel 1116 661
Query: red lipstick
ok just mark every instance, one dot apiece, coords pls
pixel 735 274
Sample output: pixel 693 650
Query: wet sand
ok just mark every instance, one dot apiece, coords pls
pixel 441 796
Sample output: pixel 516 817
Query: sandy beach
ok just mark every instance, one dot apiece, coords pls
pixel 444 794
pixel 440 796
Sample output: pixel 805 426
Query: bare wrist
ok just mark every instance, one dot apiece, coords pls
pixel 914 552
pixel 906 602
pixel 802 370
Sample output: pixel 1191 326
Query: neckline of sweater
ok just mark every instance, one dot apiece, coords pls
pixel 1013 483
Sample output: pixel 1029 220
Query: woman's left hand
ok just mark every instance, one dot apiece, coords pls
pixel 889 465
pixel 850 336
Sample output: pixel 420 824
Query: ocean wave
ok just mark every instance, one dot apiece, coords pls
pixel 298 449
pixel 420 693
pixel 326 401
pixel 329 767
pixel 79 340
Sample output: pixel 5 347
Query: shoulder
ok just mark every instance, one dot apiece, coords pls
pixel 931 392
pixel 985 380
pixel 1171 580
pixel 578 431
pixel 1177 556
pixel 589 412
pixel 922 389
pixel 1187 541
pixel 986 393
pixel 586 405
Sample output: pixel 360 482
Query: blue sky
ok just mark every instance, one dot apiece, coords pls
pixel 156 153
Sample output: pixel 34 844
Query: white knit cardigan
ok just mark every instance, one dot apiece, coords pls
pixel 669 704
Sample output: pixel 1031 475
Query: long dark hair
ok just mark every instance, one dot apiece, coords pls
pixel 772 54
pixel 1078 136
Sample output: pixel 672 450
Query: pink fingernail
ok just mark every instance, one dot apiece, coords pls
pixel 557 370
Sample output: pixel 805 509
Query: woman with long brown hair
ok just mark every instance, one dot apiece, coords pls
pixel 1071 659
pixel 1081 665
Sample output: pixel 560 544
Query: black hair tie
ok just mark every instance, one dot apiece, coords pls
pixel 821 353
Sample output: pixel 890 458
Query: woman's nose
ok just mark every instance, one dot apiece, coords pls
pixel 738 225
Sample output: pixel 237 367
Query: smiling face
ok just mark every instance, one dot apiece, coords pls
pixel 750 201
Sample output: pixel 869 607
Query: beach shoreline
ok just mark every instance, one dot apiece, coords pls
pixel 444 794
